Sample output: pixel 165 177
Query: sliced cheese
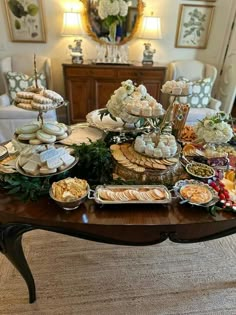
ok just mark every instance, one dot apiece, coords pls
pixel 31 167
pixel 46 170
pixel 48 154
pixel 67 159
pixel 54 162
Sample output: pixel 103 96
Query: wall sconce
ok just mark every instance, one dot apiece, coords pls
pixel 151 29
pixel 72 26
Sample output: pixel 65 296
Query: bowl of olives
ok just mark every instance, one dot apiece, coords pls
pixel 200 170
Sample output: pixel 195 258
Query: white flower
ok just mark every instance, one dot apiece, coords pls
pixel 208 123
pixel 214 129
pixel 123 8
pixel 112 7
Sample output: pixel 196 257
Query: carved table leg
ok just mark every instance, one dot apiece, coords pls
pixel 11 247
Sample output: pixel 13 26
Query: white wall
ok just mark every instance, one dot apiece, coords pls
pixel 56 46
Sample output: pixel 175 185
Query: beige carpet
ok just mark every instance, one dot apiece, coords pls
pixel 81 277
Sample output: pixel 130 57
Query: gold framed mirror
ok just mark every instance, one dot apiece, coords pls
pixel 112 29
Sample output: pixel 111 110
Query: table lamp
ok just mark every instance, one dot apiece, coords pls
pixel 150 29
pixel 72 26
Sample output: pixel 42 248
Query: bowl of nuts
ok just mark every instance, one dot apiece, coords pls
pixel 69 193
pixel 200 170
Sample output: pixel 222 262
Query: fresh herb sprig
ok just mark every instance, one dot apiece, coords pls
pixel 24 187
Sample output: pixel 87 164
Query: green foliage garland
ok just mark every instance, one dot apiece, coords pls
pixel 95 162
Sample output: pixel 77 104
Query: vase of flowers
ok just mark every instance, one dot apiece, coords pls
pixel 112 14
pixel 214 129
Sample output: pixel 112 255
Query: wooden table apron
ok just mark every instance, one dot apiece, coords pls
pixel 135 225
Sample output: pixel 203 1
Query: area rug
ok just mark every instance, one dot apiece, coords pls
pixel 81 277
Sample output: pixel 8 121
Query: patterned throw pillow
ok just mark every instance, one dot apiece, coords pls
pixel 201 95
pixel 18 82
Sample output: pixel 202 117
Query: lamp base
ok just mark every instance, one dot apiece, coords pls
pixel 148 54
pixel 76 59
pixel 76 51
pixel 147 62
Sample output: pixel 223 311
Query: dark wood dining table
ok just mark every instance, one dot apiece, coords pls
pixel 123 224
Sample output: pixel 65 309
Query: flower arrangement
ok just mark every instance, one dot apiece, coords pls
pixel 112 13
pixel 128 95
pixel 214 129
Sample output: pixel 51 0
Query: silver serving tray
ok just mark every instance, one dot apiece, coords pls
pixel 20 170
pixel 94 194
pixel 183 182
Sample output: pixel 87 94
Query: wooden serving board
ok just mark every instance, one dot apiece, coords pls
pixel 130 165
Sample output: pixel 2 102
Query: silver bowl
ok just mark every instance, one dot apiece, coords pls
pixel 69 205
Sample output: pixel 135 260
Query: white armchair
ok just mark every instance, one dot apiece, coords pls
pixel 12 117
pixel 195 70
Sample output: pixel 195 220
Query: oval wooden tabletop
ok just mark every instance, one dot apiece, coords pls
pixel 134 224
pixel 45 210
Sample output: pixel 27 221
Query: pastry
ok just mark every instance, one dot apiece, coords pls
pixel 30 128
pixel 53 129
pixel 23 100
pixel 35 141
pixel 37 98
pixel 26 136
pixel 34 89
pixel 45 137
pixel 53 96
pixel 24 94
pixel 26 106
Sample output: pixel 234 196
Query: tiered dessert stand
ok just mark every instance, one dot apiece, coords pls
pixel 34 138
pixel 142 167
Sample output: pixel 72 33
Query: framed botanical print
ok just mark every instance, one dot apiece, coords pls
pixel 194 24
pixel 25 20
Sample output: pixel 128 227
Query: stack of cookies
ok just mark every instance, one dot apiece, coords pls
pixel 38 99
pixel 37 133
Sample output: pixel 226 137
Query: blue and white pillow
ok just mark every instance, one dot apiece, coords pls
pixel 19 82
pixel 201 95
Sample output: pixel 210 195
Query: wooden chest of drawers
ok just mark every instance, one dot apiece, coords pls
pixel 89 87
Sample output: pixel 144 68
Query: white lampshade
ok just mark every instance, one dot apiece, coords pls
pixel 72 25
pixel 151 28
